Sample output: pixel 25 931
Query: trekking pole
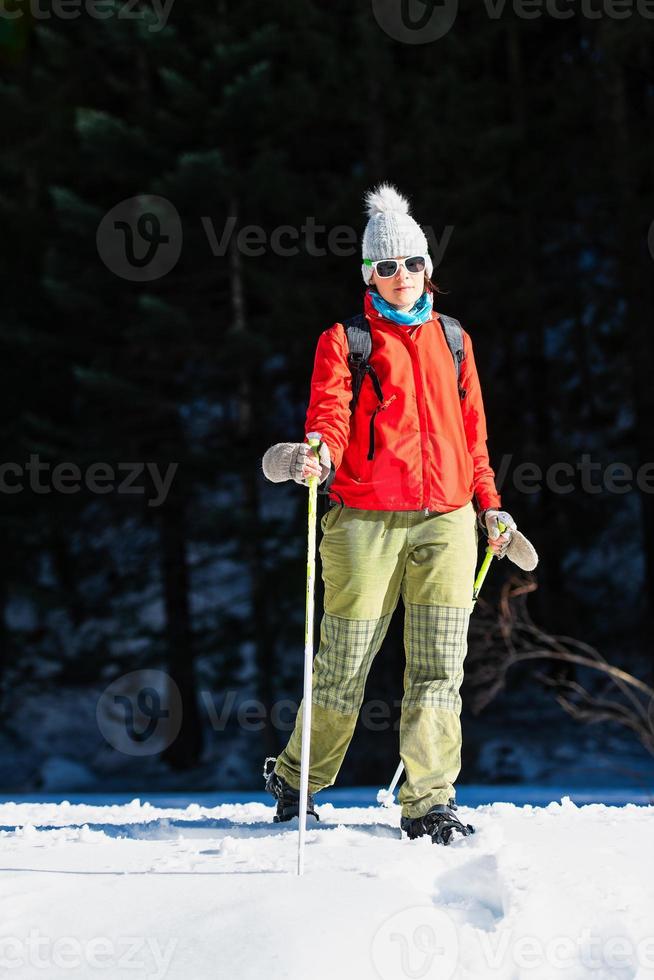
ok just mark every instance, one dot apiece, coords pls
pixel 314 441
pixel 385 796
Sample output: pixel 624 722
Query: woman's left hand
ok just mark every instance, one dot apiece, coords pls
pixel 498 540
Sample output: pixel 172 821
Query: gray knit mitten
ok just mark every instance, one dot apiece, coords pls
pixel 522 552
pixel 285 461
pixel 518 548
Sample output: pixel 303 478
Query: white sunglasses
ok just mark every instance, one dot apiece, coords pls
pixel 387 268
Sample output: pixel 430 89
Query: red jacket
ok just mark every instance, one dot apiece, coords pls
pixel 430 445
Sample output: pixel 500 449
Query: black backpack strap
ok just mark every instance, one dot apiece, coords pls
pixel 454 336
pixel 357 330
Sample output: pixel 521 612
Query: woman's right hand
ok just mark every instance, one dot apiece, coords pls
pixel 296 461
pixel 311 465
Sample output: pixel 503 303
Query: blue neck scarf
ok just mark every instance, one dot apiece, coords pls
pixel 419 312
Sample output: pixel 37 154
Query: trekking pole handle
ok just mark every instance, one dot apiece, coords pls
pixel 314 439
pixel 485 565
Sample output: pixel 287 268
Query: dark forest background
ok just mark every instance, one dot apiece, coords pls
pixel 525 145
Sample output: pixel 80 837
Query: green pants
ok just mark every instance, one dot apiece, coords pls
pixel 369 559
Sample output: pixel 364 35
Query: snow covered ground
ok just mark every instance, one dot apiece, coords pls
pixel 134 890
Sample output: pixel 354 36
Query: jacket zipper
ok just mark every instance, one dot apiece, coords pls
pixel 420 398
pixel 410 344
pixel 380 408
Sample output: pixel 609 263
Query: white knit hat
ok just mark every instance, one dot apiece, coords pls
pixel 391 230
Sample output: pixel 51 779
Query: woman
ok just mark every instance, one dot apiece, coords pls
pixel 404 469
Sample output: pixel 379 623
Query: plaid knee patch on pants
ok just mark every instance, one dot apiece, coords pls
pixel 436 642
pixel 341 665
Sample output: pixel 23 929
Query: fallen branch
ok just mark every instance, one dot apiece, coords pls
pixel 504 637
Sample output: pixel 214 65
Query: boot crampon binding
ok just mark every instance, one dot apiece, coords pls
pixel 439 823
pixel 288 799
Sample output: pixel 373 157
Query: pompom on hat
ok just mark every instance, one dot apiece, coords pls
pixel 391 230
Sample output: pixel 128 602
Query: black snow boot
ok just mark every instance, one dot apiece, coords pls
pixel 439 823
pixel 288 799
